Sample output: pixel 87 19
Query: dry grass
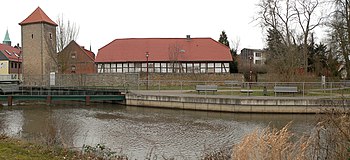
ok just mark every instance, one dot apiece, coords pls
pixel 330 139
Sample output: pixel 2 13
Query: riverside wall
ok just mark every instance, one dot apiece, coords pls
pixel 239 105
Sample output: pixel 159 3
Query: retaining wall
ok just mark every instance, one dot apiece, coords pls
pixel 236 104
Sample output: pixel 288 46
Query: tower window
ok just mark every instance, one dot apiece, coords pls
pixel 50 36
pixel 32 36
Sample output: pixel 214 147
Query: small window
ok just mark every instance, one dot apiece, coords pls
pixel 9 53
pixel 74 55
pixel 257 54
pixel 32 36
pixel 73 69
pixel 50 36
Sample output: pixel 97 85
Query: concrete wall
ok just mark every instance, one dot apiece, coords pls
pixel 237 105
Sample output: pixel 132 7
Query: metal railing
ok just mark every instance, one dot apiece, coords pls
pixel 237 88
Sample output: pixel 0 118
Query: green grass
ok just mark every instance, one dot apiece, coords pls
pixel 12 149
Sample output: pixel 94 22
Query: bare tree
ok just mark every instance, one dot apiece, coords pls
pixel 175 53
pixel 66 32
pixel 307 11
pixel 340 31
pixel 278 18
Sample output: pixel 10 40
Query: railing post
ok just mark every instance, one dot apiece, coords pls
pixel 303 89
pixel 331 88
pixel 87 100
pixel 274 89
pixel 158 86
pixel 181 86
pixel 9 100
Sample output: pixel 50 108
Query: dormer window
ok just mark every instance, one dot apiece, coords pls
pixel 9 53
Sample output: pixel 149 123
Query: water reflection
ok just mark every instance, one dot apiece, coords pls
pixel 135 131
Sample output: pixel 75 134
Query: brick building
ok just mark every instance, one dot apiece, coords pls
pixel 39 47
pixel 164 55
pixel 76 59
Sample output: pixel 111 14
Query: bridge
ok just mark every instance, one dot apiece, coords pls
pixel 11 93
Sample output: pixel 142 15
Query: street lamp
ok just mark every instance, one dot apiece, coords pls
pixel 147 55
pixel 18 66
pixel 250 72
pixel 250 68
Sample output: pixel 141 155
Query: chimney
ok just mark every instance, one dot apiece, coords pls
pixel 188 37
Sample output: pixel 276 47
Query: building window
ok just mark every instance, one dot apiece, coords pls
pixel 189 68
pixel 257 54
pixel 99 68
pixel 113 68
pixel 74 55
pixel 137 67
pixel 32 36
pixel 257 61
pixel 125 68
pixel 50 36
pixel 107 68
pixel 203 68
pixel 73 69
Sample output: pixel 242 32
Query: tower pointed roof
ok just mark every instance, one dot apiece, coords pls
pixel 7 37
pixel 38 16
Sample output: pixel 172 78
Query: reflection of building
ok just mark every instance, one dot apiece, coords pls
pixel 76 59
pixel 258 56
pixel 10 60
pixel 38 47
pixel 166 55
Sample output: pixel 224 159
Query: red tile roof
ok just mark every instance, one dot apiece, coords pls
pixel 38 16
pixel 134 49
pixel 90 54
pixel 13 54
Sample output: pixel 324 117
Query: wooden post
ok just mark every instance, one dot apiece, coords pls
pixel 87 100
pixel 9 100
pixel 48 99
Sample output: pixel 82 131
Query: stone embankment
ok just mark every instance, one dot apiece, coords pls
pixel 222 103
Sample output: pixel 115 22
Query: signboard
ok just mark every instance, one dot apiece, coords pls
pixel 52 78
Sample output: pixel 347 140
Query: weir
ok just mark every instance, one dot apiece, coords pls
pixel 12 93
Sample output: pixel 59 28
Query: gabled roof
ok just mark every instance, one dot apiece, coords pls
pixel 11 53
pixel 38 16
pixel 90 54
pixel 159 49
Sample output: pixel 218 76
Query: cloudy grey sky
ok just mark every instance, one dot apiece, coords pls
pixel 105 20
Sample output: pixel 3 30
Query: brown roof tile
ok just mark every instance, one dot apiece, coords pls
pixel 38 16
pixel 134 49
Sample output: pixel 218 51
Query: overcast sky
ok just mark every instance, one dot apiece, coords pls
pixel 102 21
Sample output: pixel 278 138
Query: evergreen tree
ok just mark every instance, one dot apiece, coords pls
pixel 223 39
pixel 234 64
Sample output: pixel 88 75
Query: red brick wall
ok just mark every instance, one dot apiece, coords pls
pixel 82 62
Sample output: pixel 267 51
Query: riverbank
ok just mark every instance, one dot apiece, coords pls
pixel 236 104
pixel 11 148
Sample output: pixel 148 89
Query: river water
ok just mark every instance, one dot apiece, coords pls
pixel 136 131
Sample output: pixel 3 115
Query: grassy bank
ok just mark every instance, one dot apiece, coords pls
pixel 18 149
pixel 15 149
